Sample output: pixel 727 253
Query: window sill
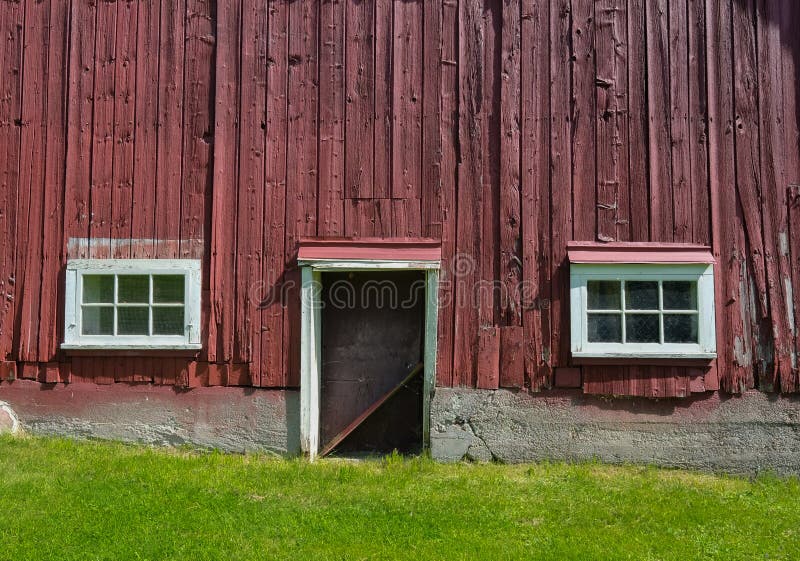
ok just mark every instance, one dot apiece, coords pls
pixel 131 349
pixel 663 359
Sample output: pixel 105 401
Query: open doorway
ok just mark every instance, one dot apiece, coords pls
pixel 373 325
pixel 369 313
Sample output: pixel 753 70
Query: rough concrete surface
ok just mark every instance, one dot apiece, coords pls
pixel 742 434
pixel 8 419
pixel 739 434
pixel 230 419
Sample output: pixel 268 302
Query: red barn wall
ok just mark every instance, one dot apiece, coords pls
pixel 227 130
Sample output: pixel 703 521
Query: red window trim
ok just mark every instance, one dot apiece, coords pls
pixel 401 249
pixel 638 252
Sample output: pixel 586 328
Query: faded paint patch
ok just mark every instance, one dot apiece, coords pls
pixel 83 248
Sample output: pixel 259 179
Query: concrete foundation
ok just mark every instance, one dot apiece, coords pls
pixel 226 418
pixel 743 434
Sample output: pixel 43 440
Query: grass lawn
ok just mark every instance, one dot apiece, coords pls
pixel 63 500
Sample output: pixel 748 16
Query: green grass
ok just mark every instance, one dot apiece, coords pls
pixel 63 500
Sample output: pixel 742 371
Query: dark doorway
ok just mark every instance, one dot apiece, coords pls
pixel 372 348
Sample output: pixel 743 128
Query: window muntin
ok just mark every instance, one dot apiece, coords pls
pixel 122 304
pixel 132 303
pixel 641 311
pixel 650 311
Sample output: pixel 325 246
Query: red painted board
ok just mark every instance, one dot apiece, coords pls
pixel 488 358
pixel 512 357
pixel 360 89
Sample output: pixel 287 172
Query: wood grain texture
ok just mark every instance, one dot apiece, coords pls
pixel 536 290
pixel 228 131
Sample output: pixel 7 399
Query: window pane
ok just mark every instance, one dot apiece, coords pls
pixel 680 295
pixel 641 295
pixel 603 295
pixel 680 328
pixel 133 289
pixel 168 321
pixel 132 321
pixel 98 320
pixel 168 289
pixel 98 289
pixel 641 328
pixel 605 328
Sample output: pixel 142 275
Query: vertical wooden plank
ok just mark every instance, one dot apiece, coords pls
pixel 790 68
pixel 33 122
pixel 748 182
pixel 637 123
pixel 407 100
pixel 124 126
pixel 488 256
pixel 661 200
pixel 11 14
pixel 406 139
pixel 698 124
pixel 679 120
pixel 103 370
pixel 301 181
pixel 198 376
pixel 488 358
pixel 561 177
pixel 223 209
pixel 169 167
pixel 613 182
pixel 735 375
pixel 773 183
pixel 449 138
pixel 198 134
pixel 383 100
pixel 510 173
pixel 272 309
pixel 536 194
pixel 368 218
pixel 51 313
pixel 250 198
pixel 103 101
pixel 144 171
pixel 790 20
pixel 331 118
pixel 512 357
pixel 217 374
pixel 198 108
pixel 406 217
pixel 359 42
pixel 471 127
pixel 431 120
pixel 583 108
pixel 793 200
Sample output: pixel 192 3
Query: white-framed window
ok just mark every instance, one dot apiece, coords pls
pixel 132 304
pixel 662 311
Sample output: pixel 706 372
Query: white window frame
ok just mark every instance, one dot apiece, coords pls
pixel 702 273
pixel 77 268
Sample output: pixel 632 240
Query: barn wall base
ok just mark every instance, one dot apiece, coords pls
pixel 746 434
pixel 227 418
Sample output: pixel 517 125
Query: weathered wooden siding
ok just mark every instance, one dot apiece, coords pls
pixel 228 130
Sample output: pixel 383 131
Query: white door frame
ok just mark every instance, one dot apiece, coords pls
pixel 311 335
